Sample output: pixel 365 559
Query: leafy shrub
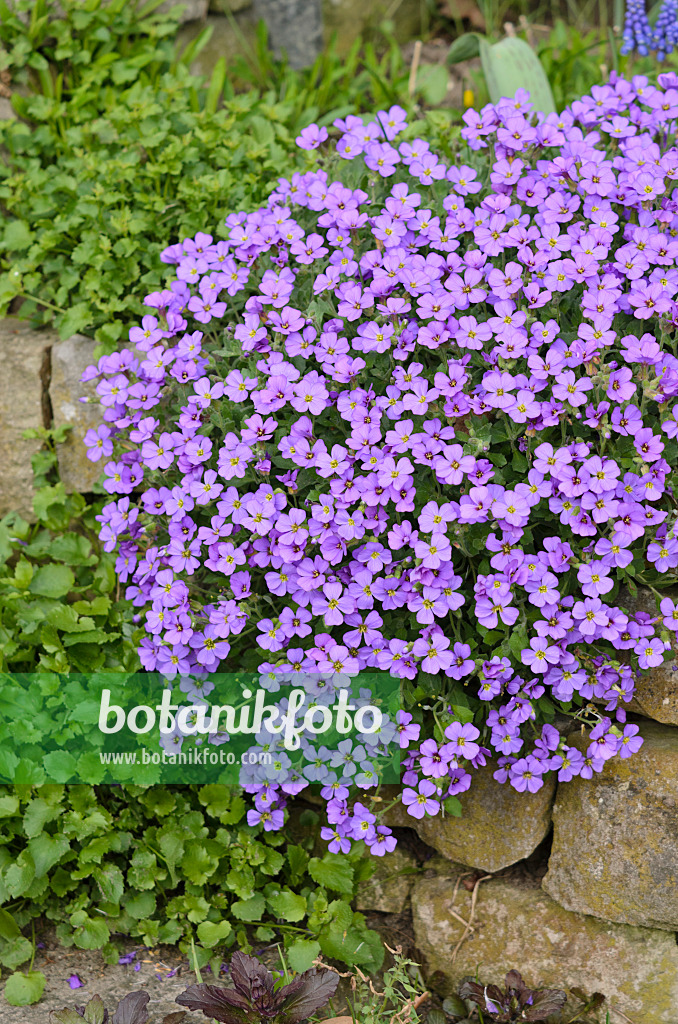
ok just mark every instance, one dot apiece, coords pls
pixel 173 865
pixel 372 438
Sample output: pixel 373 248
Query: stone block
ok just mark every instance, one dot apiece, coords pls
pixel 498 826
pixel 224 41
pixel 24 358
pixel 656 693
pixel 194 10
pixel 389 887
pixel 615 837
pixel 348 19
pixel 69 359
pixel 517 925
pixel 229 6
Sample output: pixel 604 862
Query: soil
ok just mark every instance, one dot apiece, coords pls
pixel 111 982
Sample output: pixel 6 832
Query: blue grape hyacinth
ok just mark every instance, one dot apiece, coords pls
pixel 639 35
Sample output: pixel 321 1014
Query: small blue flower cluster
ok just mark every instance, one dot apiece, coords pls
pixel 641 36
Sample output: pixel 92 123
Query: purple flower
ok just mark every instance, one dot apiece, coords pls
pixel 311 137
pixel 421 802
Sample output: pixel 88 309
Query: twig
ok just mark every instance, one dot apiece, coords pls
pixel 621 1014
pixel 414 67
pixel 468 929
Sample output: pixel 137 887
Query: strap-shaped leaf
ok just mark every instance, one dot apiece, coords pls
pixel 464 48
pixel 511 65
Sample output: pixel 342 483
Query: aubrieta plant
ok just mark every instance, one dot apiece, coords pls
pixel 417 418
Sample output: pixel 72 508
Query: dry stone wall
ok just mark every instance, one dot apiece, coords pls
pixel 40 387
pixel 603 915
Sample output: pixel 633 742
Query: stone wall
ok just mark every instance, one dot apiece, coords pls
pixel 40 387
pixel 600 915
pixel 234 22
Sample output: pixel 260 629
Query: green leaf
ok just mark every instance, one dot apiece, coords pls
pixel 302 953
pixel 52 581
pixel 333 871
pixel 453 806
pixel 287 905
pixel 25 989
pixel 110 881
pixel 216 86
pixel 60 765
pixel 432 83
pixel 211 934
pixel 512 64
pixel 38 812
pixel 517 643
pixel 17 236
pixel 90 932
pixel 249 910
pixel 74 320
pixel 15 953
pixel 47 851
pixel 9 929
pixel 297 861
pixel 464 47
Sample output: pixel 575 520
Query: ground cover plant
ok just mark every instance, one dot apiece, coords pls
pixel 178 865
pixel 140 147
pixel 144 149
pixel 418 418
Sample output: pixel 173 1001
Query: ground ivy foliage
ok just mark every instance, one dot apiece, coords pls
pixel 175 865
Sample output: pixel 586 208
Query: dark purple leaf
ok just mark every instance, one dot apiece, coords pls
pixel 174 1018
pixel 546 1002
pixel 247 972
pixel 514 979
pixel 132 1009
pixel 473 991
pixel 223 1004
pixel 306 994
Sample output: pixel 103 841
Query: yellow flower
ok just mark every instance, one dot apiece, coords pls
pixel 469 97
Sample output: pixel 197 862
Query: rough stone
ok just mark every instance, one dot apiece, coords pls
pixel 615 837
pixel 295 28
pixel 225 41
pixel 349 19
pixel 656 693
pixel 516 925
pixel 228 6
pixel 69 359
pixel 6 109
pixel 389 887
pixel 480 837
pixel 24 358
pixel 194 10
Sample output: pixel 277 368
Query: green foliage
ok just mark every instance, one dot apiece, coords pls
pixel 117 151
pixel 59 605
pixel 25 989
pixel 173 865
pixel 395 1003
